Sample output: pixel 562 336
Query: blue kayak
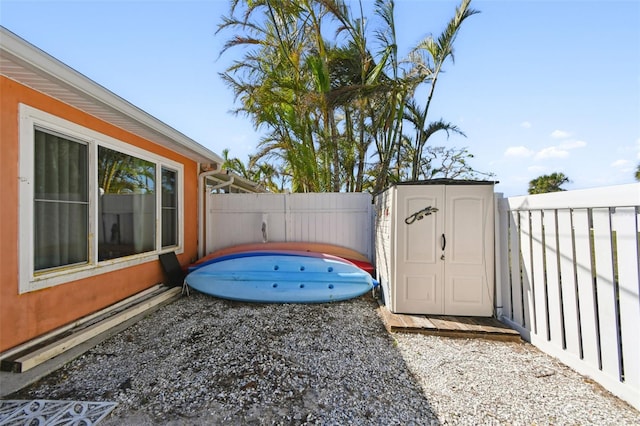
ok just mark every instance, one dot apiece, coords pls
pixel 275 278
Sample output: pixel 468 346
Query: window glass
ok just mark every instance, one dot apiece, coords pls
pixel 61 201
pixel 127 204
pixel 169 208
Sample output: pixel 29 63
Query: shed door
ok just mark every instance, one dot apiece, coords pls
pixel 419 270
pixel 456 280
pixel 468 262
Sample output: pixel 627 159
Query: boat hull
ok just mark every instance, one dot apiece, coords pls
pixel 277 278
pixel 331 249
pixel 296 248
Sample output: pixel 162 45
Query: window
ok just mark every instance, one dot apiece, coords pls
pixel 61 202
pixel 169 208
pixel 127 204
pixel 94 205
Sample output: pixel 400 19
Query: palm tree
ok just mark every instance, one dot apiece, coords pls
pixel 416 115
pixel 234 165
pixel 120 173
pixel 325 105
pixel 427 60
pixel 272 83
pixel 359 83
pixel 548 183
pixel 387 105
pixel 262 173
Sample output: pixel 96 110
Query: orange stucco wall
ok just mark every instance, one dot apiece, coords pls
pixel 25 316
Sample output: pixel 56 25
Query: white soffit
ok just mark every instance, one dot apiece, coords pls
pixel 32 67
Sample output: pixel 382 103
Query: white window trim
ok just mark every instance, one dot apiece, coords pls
pixel 178 209
pixel 29 281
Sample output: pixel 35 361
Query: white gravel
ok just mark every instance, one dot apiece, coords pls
pixel 202 360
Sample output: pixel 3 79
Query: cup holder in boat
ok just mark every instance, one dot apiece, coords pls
pixel 330 269
pixel 331 286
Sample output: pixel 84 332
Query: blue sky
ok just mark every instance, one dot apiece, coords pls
pixel 537 86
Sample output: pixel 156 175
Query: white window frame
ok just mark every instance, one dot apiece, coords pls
pixel 29 280
pixel 160 208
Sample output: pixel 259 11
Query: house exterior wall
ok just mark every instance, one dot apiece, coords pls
pixel 30 314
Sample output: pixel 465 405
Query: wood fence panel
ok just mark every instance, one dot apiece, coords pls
pixel 552 274
pixel 586 299
pixel 606 297
pixel 538 275
pixel 503 281
pixel 580 269
pixel 515 278
pixel 625 222
pixel 568 282
pixel 528 298
pixel 528 290
pixel 237 219
pixel 343 219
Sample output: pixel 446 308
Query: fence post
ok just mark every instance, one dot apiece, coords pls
pixel 501 256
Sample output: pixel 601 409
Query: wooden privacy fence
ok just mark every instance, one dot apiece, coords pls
pixel 568 280
pixel 343 219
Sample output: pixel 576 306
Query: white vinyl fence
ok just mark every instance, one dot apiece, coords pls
pixel 568 278
pixel 343 219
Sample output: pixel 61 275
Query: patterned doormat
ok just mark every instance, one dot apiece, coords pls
pixel 45 412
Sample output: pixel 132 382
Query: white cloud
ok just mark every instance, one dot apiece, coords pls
pixel 525 124
pixel 551 152
pixel 560 134
pixel 620 163
pixel 559 151
pixel 630 151
pixel 572 144
pixel 518 151
pixel 536 169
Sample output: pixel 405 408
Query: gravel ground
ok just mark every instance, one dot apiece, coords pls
pixel 202 360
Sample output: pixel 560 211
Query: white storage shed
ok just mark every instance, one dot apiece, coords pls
pixel 435 247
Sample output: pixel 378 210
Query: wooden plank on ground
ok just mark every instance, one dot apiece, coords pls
pixel 463 323
pixel 32 359
pixel 448 326
pixel 495 327
pixel 66 329
pixel 391 321
pixel 445 325
pixel 418 321
pixel 479 325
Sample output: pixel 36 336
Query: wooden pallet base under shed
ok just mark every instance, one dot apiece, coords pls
pixel 448 326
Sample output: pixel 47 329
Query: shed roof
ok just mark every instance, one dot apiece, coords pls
pixel 448 181
pixel 32 67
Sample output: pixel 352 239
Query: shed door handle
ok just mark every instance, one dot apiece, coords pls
pixel 443 242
